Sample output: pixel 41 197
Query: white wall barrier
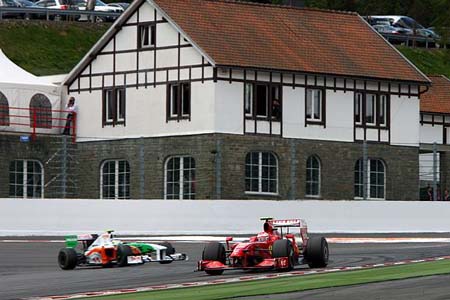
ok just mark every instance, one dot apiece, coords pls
pixel 156 217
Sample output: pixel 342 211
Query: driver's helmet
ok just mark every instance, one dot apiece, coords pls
pixel 268 227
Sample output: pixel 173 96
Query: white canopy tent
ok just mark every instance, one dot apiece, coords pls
pixel 18 87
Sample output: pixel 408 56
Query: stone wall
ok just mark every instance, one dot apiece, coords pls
pixel 218 155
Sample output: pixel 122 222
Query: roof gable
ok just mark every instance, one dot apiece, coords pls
pixel 437 99
pixel 285 38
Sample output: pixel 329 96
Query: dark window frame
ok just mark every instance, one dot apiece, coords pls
pixel 121 179
pixel 117 106
pixel 182 184
pixel 151 27
pixel 378 124
pixel 323 106
pixel 373 182
pixel 41 108
pixel 311 182
pixel 180 113
pixel 262 175
pixel 273 109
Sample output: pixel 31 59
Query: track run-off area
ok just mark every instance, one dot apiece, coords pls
pixel 28 267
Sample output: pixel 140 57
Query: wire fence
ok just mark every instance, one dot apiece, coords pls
pixel 51 14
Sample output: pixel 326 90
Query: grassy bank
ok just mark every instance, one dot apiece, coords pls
pixel 45 48
pixel 292 284
pixel 432 62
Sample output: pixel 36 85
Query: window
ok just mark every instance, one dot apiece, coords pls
pixel 375 179
pixel 40 112
pixel 315 106
pixel 114 106
pixel 358 108
pixel 179 100
pixel 262 101
pixel 4 110
pixel 115 179
pixel 313 176
pixel 261 173
pixel 146 35
pixel 180 178
pixel 371 109
pixel 26 179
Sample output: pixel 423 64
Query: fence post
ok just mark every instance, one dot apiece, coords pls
pixel 218 159
pixel 141 168
pixel 435 171
pixel 365 170
pixel 293 189
pixel 64 168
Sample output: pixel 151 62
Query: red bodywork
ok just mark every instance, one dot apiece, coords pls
pixel 257 252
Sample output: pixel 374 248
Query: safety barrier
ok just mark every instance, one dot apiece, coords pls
pixel 18 118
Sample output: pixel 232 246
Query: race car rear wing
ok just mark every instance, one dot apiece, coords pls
pixel 289 223
pixel 72 240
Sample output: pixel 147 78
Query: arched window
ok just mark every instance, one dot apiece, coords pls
pixel 180 178
pixel 115 179
pixel 40 112
pixel 313 176
pixel 261 173
pixel 4 110
pixel 26 179
pixel 376 179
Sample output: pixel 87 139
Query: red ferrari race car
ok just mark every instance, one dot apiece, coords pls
pixel 274 248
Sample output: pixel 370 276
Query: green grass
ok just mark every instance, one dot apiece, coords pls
pixel 431 62
pixel 46 48
pixel 292 284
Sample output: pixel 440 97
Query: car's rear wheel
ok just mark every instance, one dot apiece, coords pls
pixel 283 248
pixel 214 251
pixel 169 251
pixel 317 252
pixel 123 251
pixel 67 258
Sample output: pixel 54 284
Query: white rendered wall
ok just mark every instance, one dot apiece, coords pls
pixel 405 116
pixel 431 134
pixel 229 107
pixel 53 217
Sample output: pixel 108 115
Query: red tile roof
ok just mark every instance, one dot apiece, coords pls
pixel 437 99
pixel 285 38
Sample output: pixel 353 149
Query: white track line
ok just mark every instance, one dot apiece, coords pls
pixel 231 280
pixel 197 239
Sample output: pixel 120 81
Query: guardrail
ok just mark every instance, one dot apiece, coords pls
pixel 410 40
pixel 48 13
pixel 38 118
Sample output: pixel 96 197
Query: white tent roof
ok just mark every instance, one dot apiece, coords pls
pixel 13 75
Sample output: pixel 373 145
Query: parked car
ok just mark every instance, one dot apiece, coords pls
pixel 122 5
pixel 15 4
pixel 405 23
pixel 99 6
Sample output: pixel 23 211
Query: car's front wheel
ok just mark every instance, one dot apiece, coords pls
pixel 216 252
pixel 317 252
pixel 283 248
pixel 67 258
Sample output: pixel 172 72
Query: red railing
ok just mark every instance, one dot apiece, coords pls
pixel 39 118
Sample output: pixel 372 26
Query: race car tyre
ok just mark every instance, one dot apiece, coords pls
pixel 67 258
pixel 317 252
pixel 283 248
pixel 169 251
pixel 123 251
pixel 214 251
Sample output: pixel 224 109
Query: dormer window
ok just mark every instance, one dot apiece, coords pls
pixel 146 35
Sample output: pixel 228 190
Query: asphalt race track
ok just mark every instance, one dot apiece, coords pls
pixel 31 270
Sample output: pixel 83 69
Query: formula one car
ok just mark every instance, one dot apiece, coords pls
pixel 105 250
pixel 270 249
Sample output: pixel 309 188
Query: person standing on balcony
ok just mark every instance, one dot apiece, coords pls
pixel 72 111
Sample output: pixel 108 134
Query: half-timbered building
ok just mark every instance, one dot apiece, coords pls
pixel 202 99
